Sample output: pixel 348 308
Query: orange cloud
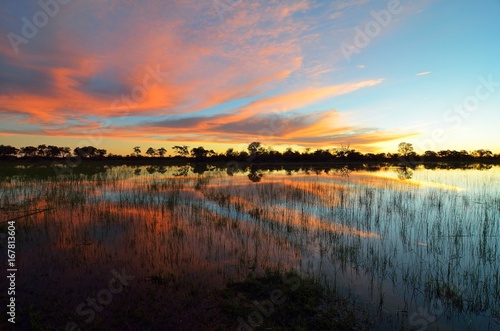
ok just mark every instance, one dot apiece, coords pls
pixel 100 60
pixel 203 67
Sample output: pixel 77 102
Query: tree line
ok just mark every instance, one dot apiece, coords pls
pixel 50 151
pixel 255 152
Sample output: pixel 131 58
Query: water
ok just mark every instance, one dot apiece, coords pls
pixel 417 247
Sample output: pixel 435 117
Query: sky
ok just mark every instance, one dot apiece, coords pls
pixel 221 74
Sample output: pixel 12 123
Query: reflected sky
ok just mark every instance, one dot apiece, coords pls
pixel 358 231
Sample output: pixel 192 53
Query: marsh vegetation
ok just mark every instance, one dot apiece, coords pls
pixel 410 248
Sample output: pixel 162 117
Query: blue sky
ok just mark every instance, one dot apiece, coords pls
pixel 116 74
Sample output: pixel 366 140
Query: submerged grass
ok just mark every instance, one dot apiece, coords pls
pixel 280 300
pixel 389 243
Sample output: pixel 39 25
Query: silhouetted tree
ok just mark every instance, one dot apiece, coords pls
pixel 288 152
pixel 8 150
pixel 41 150
pixel 86 152
pixel 342 151
pixel 255 148
pixel 151 151
pixel 230 153
pixel 430 155
pixel 243 155
pixel 162 151
pixel 199 152
pixel 65 151
pixel 322 154
pixel 354 155
pixel 464 154
pixel 181 150
pixel 29 151
pixel 444 153
pixel 482 153
pixel 405 149
pixel 100 152
pixel 211 153
pixel 137 150
pixel 52 151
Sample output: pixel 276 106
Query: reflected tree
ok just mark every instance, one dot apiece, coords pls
pixel 231 168
pixel 343 171
pixel 182 171
pixel 199 168
pixel 255 175
pixel 162 170
pixel 404 173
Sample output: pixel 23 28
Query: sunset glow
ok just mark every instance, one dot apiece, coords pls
pixel 221 74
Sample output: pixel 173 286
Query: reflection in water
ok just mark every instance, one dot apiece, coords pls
pixel 182 171
pixel 343 171
pixel 398 243
pixel 162 169
pixel 200 168
pixel 255 174
pixel 232 168
pixel 404 173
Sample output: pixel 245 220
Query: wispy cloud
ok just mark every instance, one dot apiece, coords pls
pixel 423 73
pixel 269 69
pixel 224 61
pixel 339 5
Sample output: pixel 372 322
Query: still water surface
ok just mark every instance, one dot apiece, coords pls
pixel 417 247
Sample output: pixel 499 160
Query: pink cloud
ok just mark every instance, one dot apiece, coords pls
pixel 98 54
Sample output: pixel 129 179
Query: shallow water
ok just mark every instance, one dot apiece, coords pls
pixel 419 247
